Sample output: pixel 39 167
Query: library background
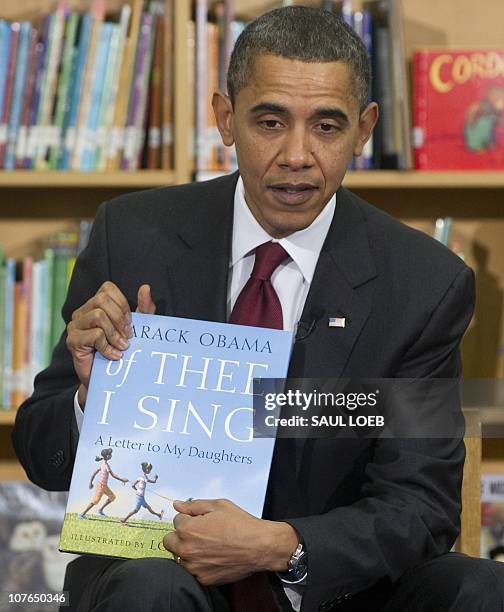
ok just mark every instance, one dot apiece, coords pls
pixel 70 138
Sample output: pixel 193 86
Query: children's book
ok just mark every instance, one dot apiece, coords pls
pixel 458 109
pixel 171 420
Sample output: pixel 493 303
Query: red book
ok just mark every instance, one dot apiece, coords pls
pixel 458 109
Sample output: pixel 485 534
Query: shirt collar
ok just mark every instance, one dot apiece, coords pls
pixel 303 246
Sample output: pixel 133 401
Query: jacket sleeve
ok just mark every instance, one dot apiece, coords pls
pixel 409 509
pixel 45 431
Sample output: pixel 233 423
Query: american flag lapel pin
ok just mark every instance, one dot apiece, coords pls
pixel 337 321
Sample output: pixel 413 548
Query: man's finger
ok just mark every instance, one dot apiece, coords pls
pixel 85 342
pixel 82 332
pixel 117 295
pixel 195 507
pixel 170 542
pixel 144 298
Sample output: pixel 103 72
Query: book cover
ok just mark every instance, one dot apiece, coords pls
pixel 167 88
pixel 98 86
pixel 459 109
pixel 10 280
pixel 5 34
pixel 97 11
pixel 142 63
pixel 35 49
pixel 155 9
pixel 155 101
pixel 17 95
pixel 363 26
pixel 15 29
pixel 48 134
pixel 125 86
pixel 33 126
pixel 110 95
pixel 67 63
pixel 492 516
pixel 75 93
pixel 172 419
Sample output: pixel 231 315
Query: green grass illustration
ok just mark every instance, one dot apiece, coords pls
pixel 107 536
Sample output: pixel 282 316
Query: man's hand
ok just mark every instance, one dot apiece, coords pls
pixel 102 324
pixel 218 542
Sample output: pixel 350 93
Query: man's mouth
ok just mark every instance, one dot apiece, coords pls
pixel 293 193
pixel 293 187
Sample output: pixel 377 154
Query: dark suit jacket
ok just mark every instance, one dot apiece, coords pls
pixel 366 510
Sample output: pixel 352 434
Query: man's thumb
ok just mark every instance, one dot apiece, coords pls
pixel 145 303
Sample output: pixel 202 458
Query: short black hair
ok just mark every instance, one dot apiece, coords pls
pixel 302 33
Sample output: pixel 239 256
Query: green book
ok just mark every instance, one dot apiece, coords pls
pixel 59 289
pixel 63 98
pixel 48 317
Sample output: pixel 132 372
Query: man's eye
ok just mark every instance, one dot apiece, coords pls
pixel 270 124
pixel 328 127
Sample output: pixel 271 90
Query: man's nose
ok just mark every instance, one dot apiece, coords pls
pixel 296 151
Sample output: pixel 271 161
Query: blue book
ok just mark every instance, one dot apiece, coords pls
pixel 99 71
pixel 172 419
pixel 33 131
pixel 70 119
pixel 17 96
pixel 5 34
pixel 363 26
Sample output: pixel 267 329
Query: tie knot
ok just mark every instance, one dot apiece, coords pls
pixel 268 257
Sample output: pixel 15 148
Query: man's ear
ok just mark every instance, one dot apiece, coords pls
pixel 367 121
pixel 223 111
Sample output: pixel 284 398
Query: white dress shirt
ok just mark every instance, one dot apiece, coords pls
pixel 291 280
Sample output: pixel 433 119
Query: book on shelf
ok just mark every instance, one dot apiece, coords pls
pixel 459 109
pixel 75 88
pixel 172 419
pixel 32 293
pixel 492 516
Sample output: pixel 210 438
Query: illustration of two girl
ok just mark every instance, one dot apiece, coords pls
pixel 102 487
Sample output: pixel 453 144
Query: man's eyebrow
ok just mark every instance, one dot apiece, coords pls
pixel 330 113
pixel 269 107
pixel 319 113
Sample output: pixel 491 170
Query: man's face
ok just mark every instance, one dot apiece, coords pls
pixel 296 126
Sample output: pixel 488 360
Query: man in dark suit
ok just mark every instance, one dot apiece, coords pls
pixel 374 519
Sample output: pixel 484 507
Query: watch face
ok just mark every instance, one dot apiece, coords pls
pixel 301 566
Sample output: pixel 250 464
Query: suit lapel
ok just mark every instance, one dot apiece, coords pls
pixel 198 264
pixel 342 287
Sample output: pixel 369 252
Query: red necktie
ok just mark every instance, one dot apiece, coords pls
pixel 258 305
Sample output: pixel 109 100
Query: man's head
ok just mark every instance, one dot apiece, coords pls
pixel 302 33
pixel 297 112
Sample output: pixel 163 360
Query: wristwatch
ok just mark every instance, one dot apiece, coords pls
pixel 297 567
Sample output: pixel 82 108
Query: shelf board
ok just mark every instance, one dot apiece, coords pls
pixel 11 470
pixel 390 179
pixel 90 180
pixel 379 179
pixel 7 417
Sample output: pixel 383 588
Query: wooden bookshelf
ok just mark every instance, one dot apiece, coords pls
pixel 7 417
pixel 28 179
pixel 378 179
